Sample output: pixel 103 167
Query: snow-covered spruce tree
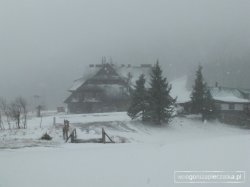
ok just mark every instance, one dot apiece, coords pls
pixel 138 102
pixel 160 107
pixel 202 101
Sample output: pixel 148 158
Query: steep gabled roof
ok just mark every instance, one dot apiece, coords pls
pixel 106 70
pixel 77 84
pixel 112 74
pixel 107 75
pixel 69 99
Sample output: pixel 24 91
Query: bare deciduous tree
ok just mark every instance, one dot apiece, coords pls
pixel 18 112
pixel 23 104
pixel 4 107
pixel 15 113
pixel 1 121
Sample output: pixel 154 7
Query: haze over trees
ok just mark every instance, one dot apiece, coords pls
pixel 154 104
pixel 138 100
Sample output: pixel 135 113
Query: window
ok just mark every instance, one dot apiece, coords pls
pixel 231 107
pixel 247 107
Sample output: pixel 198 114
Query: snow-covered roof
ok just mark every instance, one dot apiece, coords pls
pixel 246 93
pixel 77 83
pixel 122 71
pixel 231 95
pixel 179 90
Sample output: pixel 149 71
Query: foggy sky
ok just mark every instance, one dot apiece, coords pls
pixel 45 45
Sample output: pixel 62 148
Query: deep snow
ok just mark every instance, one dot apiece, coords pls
pixel 149 158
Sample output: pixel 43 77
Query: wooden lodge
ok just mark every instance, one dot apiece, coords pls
pixel 232 105
pixel 106 90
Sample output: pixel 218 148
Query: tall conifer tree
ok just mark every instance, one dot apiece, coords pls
pixel 198 93
pixel 202 100
pixel 160 103
pixel 138 101
pixel 209 108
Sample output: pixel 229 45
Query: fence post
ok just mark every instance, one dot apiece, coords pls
pixel 103 136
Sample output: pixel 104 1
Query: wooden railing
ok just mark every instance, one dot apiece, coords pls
pixel 74 139
pixel 104 135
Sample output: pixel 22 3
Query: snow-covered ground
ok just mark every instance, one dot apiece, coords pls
pixel 149 156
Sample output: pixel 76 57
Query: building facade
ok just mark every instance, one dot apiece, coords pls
pixel 107 90
pixel 232 106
